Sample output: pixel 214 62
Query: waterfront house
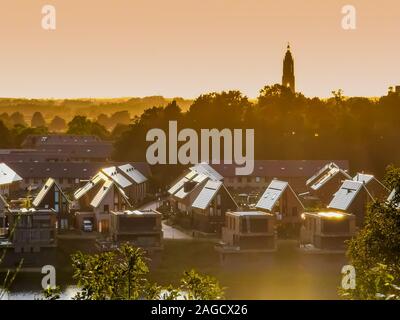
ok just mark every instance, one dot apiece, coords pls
pixel 141 228
pixel 51 196
pixel 326 181
pixel 201 197
pixel 352 197
pixel 96 199
pixel 30 230
pixel 249 231
pixel 282 201
pixel 326 231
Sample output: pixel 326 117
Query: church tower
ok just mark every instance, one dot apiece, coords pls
pixel 288 79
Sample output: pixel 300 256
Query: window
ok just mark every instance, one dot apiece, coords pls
pixel 248 179
pixel 106 208
pixel 218 199
pixel 258 179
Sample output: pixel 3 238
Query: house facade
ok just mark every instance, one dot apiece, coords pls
pixel 282 201
pixel 51 196
pixel 95 201
pixel 327 230
pixel 30 230
pixel 250 231
pixel 142 228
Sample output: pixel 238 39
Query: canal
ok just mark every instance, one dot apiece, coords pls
pixel 286 274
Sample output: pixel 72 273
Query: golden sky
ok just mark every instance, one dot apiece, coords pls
pixel 117 48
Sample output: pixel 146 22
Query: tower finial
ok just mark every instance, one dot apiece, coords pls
pixel 288 45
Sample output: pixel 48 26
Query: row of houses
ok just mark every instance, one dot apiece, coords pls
pixel 111 191
pixel 331 201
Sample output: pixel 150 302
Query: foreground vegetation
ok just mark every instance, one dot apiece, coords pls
pixel 375 250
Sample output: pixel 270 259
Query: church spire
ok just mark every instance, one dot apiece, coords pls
pixel 288 78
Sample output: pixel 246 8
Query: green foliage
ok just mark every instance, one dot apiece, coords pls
pixel 81 125
pixel 200 287
pixel 37 120
pixel 122 275
pixel 112 275
pixel 375 250
pixel 52 293
pixel 57 124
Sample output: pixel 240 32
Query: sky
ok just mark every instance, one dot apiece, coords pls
pixel 121 48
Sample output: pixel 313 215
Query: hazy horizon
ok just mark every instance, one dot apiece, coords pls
pixel 182 48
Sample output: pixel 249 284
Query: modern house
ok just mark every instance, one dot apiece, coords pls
pixel 201 196
pixel 326 231
pixel 142 228
pixel 9 180
pixel 129 179
pixel 352 198
pixel 295 172
pixel 250 231
pixel 282 201
pixel 375 188
pixel 326 182
pixel 51 196
pixel 29 230
pixel 96 199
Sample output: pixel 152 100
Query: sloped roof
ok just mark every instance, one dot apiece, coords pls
pixel 133 173
pixel 117 177
pixel 345 196
pixel 8 175
pixel 205 168
pixel 99 177
pixel 103 191
pixel 362 177
pixel 271 195
pixel 45 189
pixel 207 194
pixel 324 175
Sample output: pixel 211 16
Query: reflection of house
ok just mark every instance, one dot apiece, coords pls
pixel 96 199
pixel 326 181
pixel 281 200
pixel 202 196
pixel 9 179
pixel 251 231
pixel 51 196
pixel 30 230
pixel 295 172
pixel 375 188
pixel 327 230
pixel 142 228
pixel 352 197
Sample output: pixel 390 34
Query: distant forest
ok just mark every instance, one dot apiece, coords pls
pixel 287 126
pixel 91 108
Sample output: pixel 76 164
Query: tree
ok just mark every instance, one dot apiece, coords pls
pixel 122 275
pixel 57 124
pixel 80 125
pixel 200 287
pixel 37 120
pixel 17 118
pixel 375 250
